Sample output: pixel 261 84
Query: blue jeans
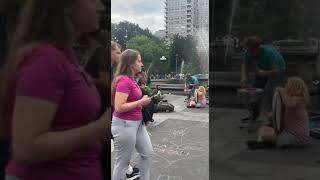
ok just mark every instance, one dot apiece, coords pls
pixel 193 88
pixel 126 136
pixel 269 84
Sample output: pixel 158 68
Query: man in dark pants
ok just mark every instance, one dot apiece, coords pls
pixel 8 14
pixel 95 62
pixel 269 67
pixel 191 83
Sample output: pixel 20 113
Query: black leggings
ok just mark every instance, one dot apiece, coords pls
pixel 4 157
pixel 106 161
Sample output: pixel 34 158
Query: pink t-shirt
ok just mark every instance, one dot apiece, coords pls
pixel 54 76
pixel 128 85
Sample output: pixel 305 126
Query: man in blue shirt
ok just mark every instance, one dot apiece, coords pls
pixel 191 83
pixel 268 65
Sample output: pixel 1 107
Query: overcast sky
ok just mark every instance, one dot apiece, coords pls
pixel 147 13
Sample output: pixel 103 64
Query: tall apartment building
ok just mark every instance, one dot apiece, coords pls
pixel 190 17
pixel 186 17
pixel 201 15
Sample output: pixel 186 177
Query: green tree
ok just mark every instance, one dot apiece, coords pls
pixel 125 30
pixel 151 51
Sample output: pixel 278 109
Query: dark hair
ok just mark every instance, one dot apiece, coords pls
pixel 142 78
pixel 114 45
pixel 253 42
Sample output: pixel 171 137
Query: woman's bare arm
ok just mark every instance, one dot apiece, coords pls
pixel 32 140
pixel 121 104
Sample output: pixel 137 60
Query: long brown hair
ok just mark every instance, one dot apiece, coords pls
pixel 127 60
pixel 297 87
pixel 39 21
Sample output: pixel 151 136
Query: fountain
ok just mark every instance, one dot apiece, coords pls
pixel 181 68
pixel 150 65
pixel 233 9
pixel 203 48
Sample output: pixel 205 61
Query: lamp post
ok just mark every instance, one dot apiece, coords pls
pixel 163 58
pixel 176 63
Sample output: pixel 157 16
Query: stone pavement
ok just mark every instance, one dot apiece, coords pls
pixel 230 159
pixel 180 140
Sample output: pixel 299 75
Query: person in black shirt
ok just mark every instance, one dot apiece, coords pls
pixel 95 62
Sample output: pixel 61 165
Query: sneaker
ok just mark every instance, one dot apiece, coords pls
pixel 135 175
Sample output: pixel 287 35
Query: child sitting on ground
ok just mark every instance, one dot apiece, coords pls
pixel 295 130
pixel 200 97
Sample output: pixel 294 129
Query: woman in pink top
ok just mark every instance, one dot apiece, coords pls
pixel 52 104
pixel 127 125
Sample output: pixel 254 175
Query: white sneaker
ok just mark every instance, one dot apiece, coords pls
pixel 134 173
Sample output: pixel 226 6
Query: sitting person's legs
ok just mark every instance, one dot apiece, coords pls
pixel 266 134
pixel 266 139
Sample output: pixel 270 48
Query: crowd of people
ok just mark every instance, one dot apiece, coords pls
pixel 179 76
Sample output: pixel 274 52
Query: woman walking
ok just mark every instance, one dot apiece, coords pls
pixel 127 122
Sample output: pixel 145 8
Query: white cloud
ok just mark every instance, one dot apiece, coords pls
pixel 147 13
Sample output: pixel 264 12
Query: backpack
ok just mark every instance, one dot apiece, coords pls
pixel 148 110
